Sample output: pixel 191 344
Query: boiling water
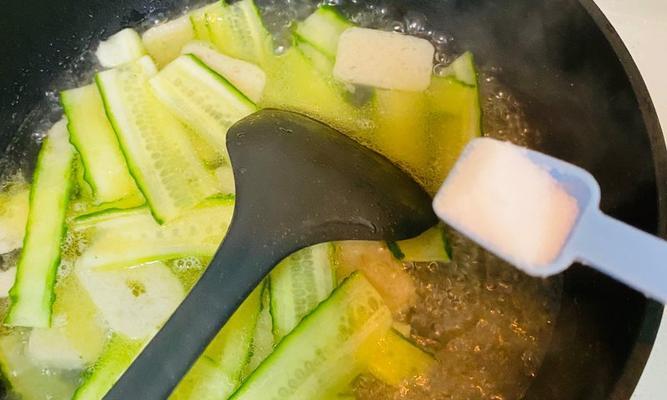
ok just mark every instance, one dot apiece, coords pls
pixel 487 324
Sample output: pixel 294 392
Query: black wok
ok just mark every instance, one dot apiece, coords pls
pixel 561 59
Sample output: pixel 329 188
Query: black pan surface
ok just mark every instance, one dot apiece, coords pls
pixel 561 59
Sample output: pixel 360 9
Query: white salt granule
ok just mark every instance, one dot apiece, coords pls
pixel 499 196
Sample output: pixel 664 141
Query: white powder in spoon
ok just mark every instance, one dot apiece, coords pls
pixel 499 196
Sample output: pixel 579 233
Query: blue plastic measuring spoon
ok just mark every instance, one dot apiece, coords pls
pixel 619 250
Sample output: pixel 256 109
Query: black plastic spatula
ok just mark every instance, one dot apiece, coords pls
pixel 298 183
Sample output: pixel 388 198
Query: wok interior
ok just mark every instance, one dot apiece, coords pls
pixel 556 61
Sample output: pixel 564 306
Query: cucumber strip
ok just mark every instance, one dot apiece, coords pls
pixel 51 348
pixel 134 302
pixel 156 146
pixel 402 128
pixel 225 175
pixel 91 133
pixel 262 342
pixel 201 99
pixel 91 220
pixel 238 31
pixel 83 324
pixel 463 69
pixel 78 334
pixel 205 381
pixel 28 380
pixel 215 375
pixel 232 346
pixel 319 60
pixel 393 359
pixel 82 193
pixel 198 20
pixel 14 207
pixel 83 207
pixel 122 47
pixel 298 285
pixel 320 353
pixel 455 118
pixel 209 155
pixel 429 246
pixel 248 78
pixel 32 294
pixel 131 238
pixel 7 279
pixel 117 357
pixel 164 42
pixel 322 29
pixel 295 84
pixel 382 270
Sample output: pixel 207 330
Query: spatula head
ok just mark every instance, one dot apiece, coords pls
pixel 298 183
pixel 299 179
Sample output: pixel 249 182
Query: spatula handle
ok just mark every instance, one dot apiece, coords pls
pixel 228 280
pixel 624 252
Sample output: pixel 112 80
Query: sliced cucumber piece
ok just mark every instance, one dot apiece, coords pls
pixel 225 175
pixel 84 205
pixel 320 353
pixel 232 346
pixel 122 47
pixel 401 132
pixel 394 359
pixel 319 60
pixel 51 348
pixel 77 335
pixel 93 136
pixel 133 237
pixel 455 118
pixel 205 381
pixel 134 302
pixel 238 31
pixel 32 294
pixel 210 156
pixel 164 42
pixel 156 146
pixel 463 69
pixel 7 279
pixel 117 357
pixel 295 84
pixel 382 270
pixel 322 29
pixel 429 246
pixel 82 194
pixel 298 285
pixel 79 319
pixel 14 207
pixel 92 220
pixel 28 380
pixel 248 78
pixel 201 99
pixel 263 341
pixel 198 20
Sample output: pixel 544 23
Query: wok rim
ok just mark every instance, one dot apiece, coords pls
pixel 651 323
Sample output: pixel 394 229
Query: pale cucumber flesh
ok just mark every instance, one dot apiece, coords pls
pixel 32 293
pixel 156 147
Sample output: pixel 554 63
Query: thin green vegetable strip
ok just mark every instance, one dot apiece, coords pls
pixel 32 294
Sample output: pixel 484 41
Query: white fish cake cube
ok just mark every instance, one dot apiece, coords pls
pixel 386 60
pixel 164 42
pixel 120 48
